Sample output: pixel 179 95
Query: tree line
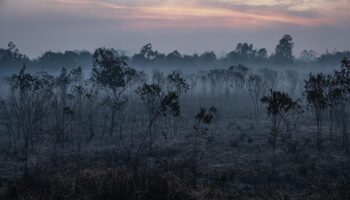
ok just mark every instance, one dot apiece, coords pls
pixel 243 53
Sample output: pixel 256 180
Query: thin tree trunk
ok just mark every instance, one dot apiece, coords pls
pixel 195 160
pixel 26 138
pixel 150 136
pixel 274 142
pixel 345 134
pixel 318 119
pixel 331 123
pixel 111 129
pixel 148 133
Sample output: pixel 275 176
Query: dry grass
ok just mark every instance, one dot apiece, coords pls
pixel 93 184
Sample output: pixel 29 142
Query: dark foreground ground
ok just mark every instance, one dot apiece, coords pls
pixel 234 161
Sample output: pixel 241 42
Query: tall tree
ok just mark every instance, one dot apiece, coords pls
pixel 112 72
pixel 316 95
pixel 146 55
pixel 341 93
pixel 284 50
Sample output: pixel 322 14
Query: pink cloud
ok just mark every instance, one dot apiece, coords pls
pixel 193 14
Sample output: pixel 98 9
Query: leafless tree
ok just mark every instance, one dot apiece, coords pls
pixel 29 100
pixel 256 88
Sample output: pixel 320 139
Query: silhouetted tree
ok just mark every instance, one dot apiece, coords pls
pixel 279 104
pixel 262 53
pixel 308 56
pixel 158 77
pixel 316 95
pixel 146 55
pixel 203 120
pixel 29 100
pixel 284 50
pixel 62 84
pixel 208 57
pixel 216 78
pixel 112 72
pixel 178 85
pixel 292 78
pixel 256 89
pixel 238 75
pixel 341 93
pixel 152 95
pixel 78 91
pixel 11 56
pixel 158 103
pixel 174 57
pixel 334 94
pixel 69 59
pixel 245 53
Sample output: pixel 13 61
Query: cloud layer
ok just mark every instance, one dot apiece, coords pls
pixel 214 13
pixel 90 23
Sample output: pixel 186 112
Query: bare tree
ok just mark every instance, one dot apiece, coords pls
pixel 78 91
pixel 270 78
pixel 237 74
pixel 158 104
pixel 29 99
pixel 256 89
pixel 158 77
pixel 334 96
pixel 292 78
pixel 62 84
pixel 203 120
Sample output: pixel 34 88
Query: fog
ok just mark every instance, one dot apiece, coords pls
pixel 107 124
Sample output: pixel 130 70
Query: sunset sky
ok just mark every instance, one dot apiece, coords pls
pixel 187 25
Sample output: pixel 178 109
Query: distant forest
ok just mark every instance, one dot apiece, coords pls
pixel 243 53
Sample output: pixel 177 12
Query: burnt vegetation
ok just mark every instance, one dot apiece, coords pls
pixel 117 132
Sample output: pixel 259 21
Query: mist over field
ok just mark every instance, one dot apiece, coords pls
pixel 156 100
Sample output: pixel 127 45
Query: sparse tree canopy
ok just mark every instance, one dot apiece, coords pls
pixel 316 95
pixel 111 70
pixel 278 103
pixel 315 89
pixel 177 83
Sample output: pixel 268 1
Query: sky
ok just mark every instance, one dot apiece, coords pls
pixel 190 26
